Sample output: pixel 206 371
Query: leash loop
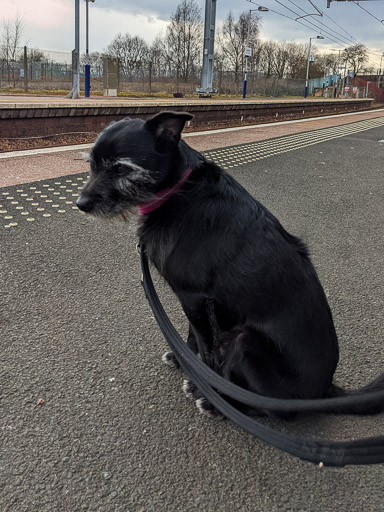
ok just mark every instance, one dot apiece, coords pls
pixel 369 450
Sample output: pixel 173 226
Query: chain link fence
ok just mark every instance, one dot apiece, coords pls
pixel 35 69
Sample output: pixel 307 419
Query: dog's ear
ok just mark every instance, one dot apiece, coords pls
pixel 167 126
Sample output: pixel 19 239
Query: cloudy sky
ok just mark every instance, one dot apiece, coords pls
pixel 49 24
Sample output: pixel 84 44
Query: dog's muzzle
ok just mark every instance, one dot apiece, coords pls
pixel 84 203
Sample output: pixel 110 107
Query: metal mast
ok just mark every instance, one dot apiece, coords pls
pixel 75 92
pixel 206 88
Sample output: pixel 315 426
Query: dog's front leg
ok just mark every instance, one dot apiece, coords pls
pixel 203 339
pixel 169 357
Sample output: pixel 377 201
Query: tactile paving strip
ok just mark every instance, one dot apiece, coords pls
pixel 235 156
pixel 27 203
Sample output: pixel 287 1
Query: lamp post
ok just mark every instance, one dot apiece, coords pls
pixel 379 77
pixel 87 67
pixel 248 50
pixel 309 56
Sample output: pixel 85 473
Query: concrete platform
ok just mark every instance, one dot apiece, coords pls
pixel 115 432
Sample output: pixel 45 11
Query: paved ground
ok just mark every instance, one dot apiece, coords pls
pixel 115 432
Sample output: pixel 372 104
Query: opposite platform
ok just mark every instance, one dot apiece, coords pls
pixel 42 117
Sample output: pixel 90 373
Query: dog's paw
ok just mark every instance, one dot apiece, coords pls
pixel 170 359
pixel 190 390
pixel 208 409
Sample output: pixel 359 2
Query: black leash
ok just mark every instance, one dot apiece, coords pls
pixel 368 450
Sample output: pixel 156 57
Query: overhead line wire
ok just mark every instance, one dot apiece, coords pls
pixel 321 27
pixel 332 20
pixel 364 9
pixel 300 23
pixel 343 40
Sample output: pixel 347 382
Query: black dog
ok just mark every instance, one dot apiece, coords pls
pixel 257 312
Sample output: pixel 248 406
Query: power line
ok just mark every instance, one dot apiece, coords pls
pixel 356 40
pixel 329 37
pixel 364 9
pixel 293 19
pixel 322 14
pixel 317 27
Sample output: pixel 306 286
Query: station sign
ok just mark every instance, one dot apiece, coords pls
pixel 248 52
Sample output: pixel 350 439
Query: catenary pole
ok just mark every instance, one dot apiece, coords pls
pixel 75 92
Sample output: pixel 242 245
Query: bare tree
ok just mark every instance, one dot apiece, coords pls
pixel 267 57
pixel 35 55
pixel 356 56
pixel 158 57
pixel 331 62
pixel 184 39
pixel 296 60
pixel 11 45
pixel 280 61
pixel 289 60
pixel 131 52
pixel 232 41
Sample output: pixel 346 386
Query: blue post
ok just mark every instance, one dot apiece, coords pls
pixel 87 77
pixel 245 87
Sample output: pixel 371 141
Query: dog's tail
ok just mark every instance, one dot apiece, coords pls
pixel 362 408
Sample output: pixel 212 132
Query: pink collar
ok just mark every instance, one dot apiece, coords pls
pixel 164 195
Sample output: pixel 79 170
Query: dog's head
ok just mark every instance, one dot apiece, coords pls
pixel 130 161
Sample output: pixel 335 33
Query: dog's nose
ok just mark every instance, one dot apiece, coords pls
pixel 84 204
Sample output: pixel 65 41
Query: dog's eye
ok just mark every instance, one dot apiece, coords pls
pixel 120 170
